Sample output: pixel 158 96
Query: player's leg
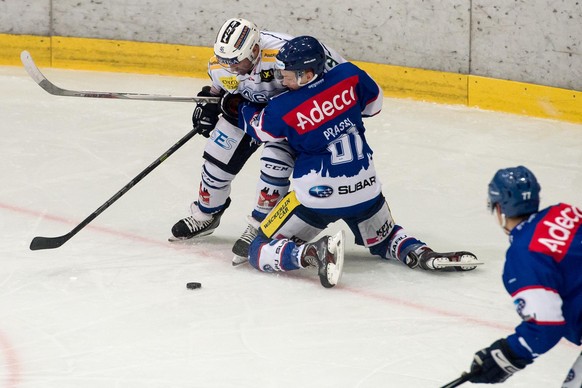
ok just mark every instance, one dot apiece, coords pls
pixel 280 244
pixel 327 254
pixel 225 153
pixel 377 231
pixel 277 160
pixel 289 223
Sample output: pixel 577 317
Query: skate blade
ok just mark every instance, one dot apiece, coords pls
pixel 178 239
pixel 336 246
pixel 469 264
pixel 466 264
pixel 239 260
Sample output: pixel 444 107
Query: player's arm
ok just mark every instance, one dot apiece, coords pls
pixel 532 282
pixel 206 114
pixel 260 122
pixel 370 95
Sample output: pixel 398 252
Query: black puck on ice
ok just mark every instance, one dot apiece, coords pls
pixel 193 285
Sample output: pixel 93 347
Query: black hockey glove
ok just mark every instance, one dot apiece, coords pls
pixel 205 114
pixel 496 363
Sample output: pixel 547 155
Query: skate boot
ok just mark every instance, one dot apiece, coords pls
pixel 241 246
pixel 198 224
pixel 449 261
pixel 327 254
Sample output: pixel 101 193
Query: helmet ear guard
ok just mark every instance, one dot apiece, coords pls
pixel 516 190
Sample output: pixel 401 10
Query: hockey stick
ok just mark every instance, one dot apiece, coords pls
pixel 47 85
pixel 465 376
pixel 55 242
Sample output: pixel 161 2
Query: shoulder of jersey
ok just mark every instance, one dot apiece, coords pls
pixel 343 68
pixel 213 63
pixel 284 93
pixel 271 43
pixel 271 37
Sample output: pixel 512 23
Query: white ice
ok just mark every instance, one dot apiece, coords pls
pixel 110 307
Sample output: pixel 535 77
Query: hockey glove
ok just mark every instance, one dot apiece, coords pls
pixel 229 106
pixel 205 114
pixel 496 363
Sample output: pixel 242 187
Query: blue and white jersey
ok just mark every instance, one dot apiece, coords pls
pixel 322 121
pixel 543 274
pixel 260 85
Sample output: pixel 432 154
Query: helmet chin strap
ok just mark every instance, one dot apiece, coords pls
pixel 502 219
pixel 254 59
pixel 503 223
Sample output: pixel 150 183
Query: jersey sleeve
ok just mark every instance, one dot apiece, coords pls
pixel 371 95
pixel 533 283
pixel 252 119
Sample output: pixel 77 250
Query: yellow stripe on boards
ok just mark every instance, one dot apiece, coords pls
pixel 419 84
pixel 12 45
pixel 396 81
pixel 525 99
pixel 133 57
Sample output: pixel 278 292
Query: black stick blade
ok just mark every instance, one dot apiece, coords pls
pixel 55 242
pixel 38 243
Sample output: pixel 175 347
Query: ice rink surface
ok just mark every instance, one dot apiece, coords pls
pixel 110 307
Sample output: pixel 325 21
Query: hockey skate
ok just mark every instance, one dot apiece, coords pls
pixel 327 254
pixel 449 261
pixel 198 224
pixel 241 246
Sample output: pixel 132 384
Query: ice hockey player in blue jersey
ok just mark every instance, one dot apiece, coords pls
pixel 542 273
pixel 242 67
pixel 334 176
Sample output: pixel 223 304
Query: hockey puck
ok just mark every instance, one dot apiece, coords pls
pixel 193 285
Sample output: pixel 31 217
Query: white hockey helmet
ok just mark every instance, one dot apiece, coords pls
pixel 235 42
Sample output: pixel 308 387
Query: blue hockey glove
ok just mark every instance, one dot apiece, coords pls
pixel 205 114
pixel 496 363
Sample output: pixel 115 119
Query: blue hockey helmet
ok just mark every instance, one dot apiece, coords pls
pixel 300 54
pixel 516 190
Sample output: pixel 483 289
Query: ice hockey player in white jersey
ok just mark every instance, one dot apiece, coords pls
pixel 334 178
pixel 243 67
